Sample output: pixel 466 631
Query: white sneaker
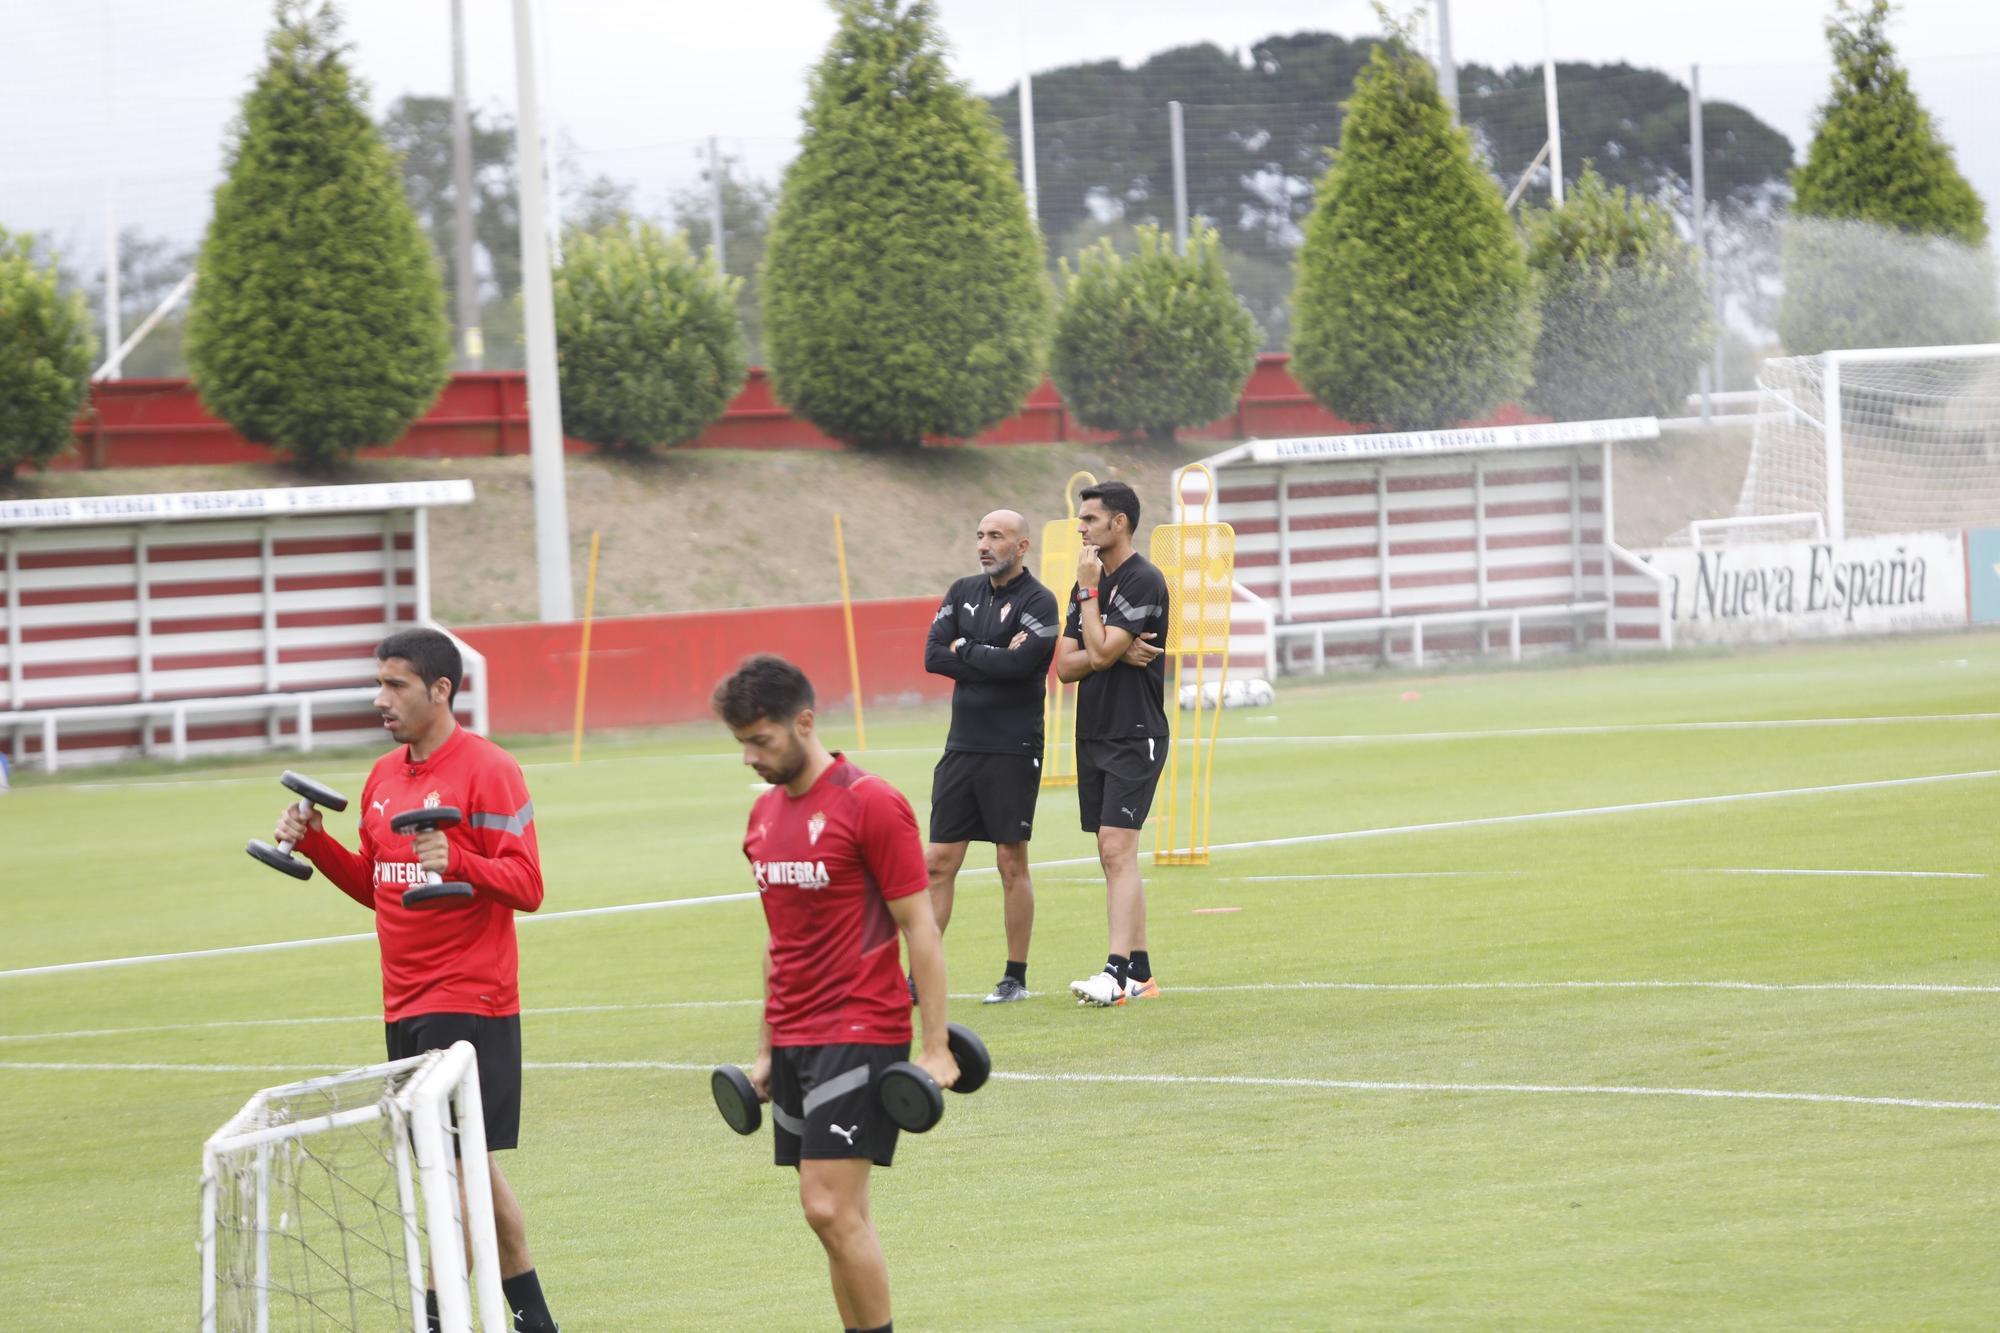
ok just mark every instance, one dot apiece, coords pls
pixel 1101 989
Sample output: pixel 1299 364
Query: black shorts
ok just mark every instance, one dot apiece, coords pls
pixel 984 797
pixel 498 1044
pixel 1115 780
pixel 823 1102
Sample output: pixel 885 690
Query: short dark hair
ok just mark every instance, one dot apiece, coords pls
pixel 1118 498
pixel 763 686
pixel 430 652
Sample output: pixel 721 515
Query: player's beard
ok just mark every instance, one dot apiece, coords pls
pixel 794 763
pixel 1001 570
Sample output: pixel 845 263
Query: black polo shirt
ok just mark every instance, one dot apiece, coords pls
pixel 996 707
pixel 1124 700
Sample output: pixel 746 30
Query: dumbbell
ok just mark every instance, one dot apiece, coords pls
pixel 311 794
pixel 906 1093
pixel 435 891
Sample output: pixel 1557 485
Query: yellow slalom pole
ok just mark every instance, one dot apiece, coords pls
pixel 583 656
pixel 853 657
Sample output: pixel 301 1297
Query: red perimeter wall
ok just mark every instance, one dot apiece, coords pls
pixel 161 422
pixel 653 670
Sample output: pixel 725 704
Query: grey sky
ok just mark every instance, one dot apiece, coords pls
pixel 637 84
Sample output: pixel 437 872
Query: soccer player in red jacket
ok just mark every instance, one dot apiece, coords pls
pixel 449 971
pixel 840 871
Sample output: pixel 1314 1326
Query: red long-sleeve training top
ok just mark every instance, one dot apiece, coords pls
pixel 458 957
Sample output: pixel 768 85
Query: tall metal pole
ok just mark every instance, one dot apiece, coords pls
pixel 472 340
pixel 1029 183
pixel 114 333
pixel 1178 134
pixel 1447 67
pixel 1698 177
pixel 715 204
pixel 545 439
pixel 554 154
pixel 1554 115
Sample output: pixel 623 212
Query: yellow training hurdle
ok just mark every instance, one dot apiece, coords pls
pixel 1198 561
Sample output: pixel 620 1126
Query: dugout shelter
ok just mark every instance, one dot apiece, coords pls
pixel 1371 548
pixel 210 622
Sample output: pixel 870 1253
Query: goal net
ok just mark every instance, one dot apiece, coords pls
pixel 328 1204
pixel 1878 441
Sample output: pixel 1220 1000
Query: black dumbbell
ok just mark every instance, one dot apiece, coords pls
pixel 435 891
pixel 912 1097
pixel 907 1094
pixel 311 794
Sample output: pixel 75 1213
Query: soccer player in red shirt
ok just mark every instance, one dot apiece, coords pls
pixel 449 969
pixel 840 870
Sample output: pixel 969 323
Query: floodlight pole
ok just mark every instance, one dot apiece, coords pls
pixel 545 437
pixel 1029 184
pixel 1554 115
pixel 715 205
pixel 1447 68
pixel 472 341
pixel 1177 134
pixel 114 338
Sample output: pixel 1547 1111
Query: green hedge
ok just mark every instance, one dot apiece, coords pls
pixel 903 286
pixel 1886 244
pixel 650 351
pixel 318 322
pixel 45 353
pixel 1625 310
pixel 1150 343
pixel 1413 307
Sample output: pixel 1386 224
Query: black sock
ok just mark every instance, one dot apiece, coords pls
pixel 1117 966
pixel 1142 966
pixel 886 1328
pixel 1018 971
pixel 432 1322
pixel 524 1298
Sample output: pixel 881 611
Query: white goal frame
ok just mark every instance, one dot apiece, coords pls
pixel 1829 420
pixel 440 1087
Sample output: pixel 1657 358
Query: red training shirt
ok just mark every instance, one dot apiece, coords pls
pixel 827 863
pixel 456 957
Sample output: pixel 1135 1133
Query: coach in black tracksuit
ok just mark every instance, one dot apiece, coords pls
pixel 993 634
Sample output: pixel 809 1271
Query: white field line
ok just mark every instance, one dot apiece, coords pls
pixel 1346 835
pixel 1157 1080
pixel 1853 874
pixel 1907 987
pixel 1356 738
pixel 1373 874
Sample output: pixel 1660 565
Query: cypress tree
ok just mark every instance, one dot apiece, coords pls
pixel 1413 306
pixel 1146 344
pixel 650 351
pixel 45 351
pixel 903 287
pixel 1625 322
pixel 318 323
pixel 1886 243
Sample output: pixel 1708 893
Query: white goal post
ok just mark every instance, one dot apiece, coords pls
pixel 322 1201
pixel 1879 440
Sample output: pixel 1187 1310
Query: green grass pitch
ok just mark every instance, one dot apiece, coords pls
pixel 1439 1067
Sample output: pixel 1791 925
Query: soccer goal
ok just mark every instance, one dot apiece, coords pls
pixel 322 1203
pixel 1878 441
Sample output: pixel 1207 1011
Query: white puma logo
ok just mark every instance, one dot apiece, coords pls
pixel 382 805
pixel 847 1134
pixel 1130 813
pixel 970 607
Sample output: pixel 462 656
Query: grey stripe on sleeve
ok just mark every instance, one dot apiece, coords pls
pixel 516 823
pixel 1129 611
